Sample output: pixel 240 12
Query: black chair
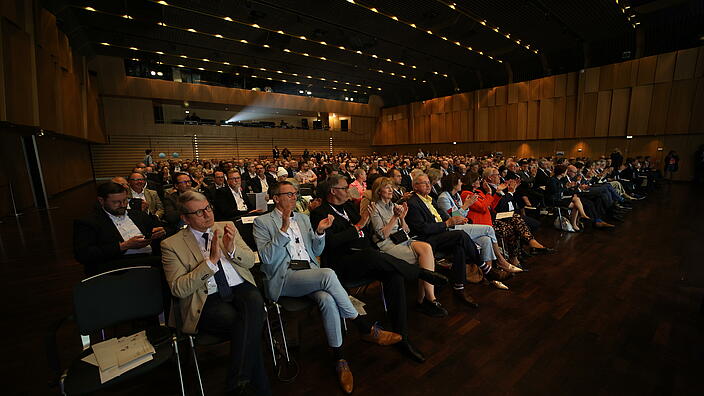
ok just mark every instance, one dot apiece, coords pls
pixel 107 300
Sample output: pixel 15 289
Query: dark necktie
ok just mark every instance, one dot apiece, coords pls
pixel 220 278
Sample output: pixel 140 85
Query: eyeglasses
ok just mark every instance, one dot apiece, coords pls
pixel 341 188
pixel 183 182
pixel 289 194
pixel 201 212
pixel 233 178
pixel 139 179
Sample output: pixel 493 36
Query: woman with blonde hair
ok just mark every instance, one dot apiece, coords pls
pixel 391 236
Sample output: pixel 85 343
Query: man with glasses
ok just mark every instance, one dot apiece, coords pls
pixel 288 247
pixel 231 202
pixel 151 204
pixel 182 183
pixel 207 266
pixel 112 237
pixel 349 251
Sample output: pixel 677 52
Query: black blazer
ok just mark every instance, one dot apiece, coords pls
pixel 226 206
pixel 342 236
pixel 96 240
pixel 421 222
pixel 255 185
pixel 542 178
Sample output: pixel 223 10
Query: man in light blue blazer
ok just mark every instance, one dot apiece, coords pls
pixel 289 249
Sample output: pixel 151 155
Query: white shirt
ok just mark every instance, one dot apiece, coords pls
pixel 127 229
pixel 296 248
pixel 265 185
pixel 232 276
pixel 241 206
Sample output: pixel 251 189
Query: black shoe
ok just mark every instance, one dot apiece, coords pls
pixel 432 277
pixel 407 349
pixel 462 295
pixel 432 309
pixel 545 250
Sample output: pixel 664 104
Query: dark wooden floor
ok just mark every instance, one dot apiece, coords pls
pixel 612 313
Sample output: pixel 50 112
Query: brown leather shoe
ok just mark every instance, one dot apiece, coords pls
pixel 464 296
pixel 474 273
pixel 498 274
pixel 344 375
pixel 381 337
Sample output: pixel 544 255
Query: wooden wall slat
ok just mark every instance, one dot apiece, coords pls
pixel 606 77
pixel 586 115
pixel 558 121
pixel 547 87
pixel 639 111
pixel 680 107
pixel 560 85
pixel 665 68
pixel 696 125
pixel 591 79
pixel 603 113
pixel 646 69
pixel 546 119
pixel 619 112
pixel 512 93
pixel 522 121
pixel 686 64
pixel 658 108
pixel 481 132
pixel 533 119
pixel 535 91
pixel 501 95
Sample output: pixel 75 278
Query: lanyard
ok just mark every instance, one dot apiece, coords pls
pixel 343 214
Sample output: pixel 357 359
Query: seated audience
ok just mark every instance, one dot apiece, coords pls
pixel 151 203
pixel 231 202
pixel 172 217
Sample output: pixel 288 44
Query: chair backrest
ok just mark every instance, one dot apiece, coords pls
pixel 247 233
pixel 117 296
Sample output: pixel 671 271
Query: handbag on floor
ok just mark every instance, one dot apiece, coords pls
pixel 563 224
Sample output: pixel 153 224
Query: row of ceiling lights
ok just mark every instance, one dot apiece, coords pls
pixel 630 16
pixel 245 67
pixel 297 36
pixel 457 43
pixel 246 42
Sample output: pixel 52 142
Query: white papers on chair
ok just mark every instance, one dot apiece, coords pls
pixel 358 305
pixel 504 215
pixel 259 200
pixel 116 356
pixel 248 219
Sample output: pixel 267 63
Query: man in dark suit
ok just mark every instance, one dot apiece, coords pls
pixel 182 183
pixel 231 201
pixel 436 228
pixel 111 237
pixel 262 180
pixel 348 251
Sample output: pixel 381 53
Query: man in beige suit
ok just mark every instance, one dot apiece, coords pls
pixel 207 267
pixel 151 204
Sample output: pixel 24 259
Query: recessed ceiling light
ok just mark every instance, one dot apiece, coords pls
pixel 218 35
pixel 89 8
pixel 228 19
pixel 162 2
pixel 192 30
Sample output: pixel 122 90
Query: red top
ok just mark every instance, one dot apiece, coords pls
pixel 479 212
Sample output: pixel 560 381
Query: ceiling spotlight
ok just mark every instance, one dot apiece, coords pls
pixel 184 56
pixel 89 8
pixel 228 19
pixel 134 48
pixel 309 92
pixel 323 43
pixel 287 50
pixel 394 18
pixel 127 16
pixel 254 25
pixel 300 91
pixel 180 66
pixel 351 99
pixel 106 44
pixel 160 53
pixel 266 46
pixel 226 63
pixel 153 73
pixel 206 60
pixel 159 74
pixel 346 98
pixel 200 68
pixel 162 2
pixel 192 30
pixel 218 35
pixel 374 9
pixel 243 41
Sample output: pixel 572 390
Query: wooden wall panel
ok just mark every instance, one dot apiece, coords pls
pixel 464 131
pixel 48 91
pixel 500 115
pixel 619 112
pixel 558 120
pixel 658 108
pixel 699 70
pixel 639 111
pixel 603 113
pixel 512 122
pixel 481 131
pixel 512 93
pixel 572 84
pixel 65 163
pixel 686 64
pixel 533 119
pixel 560 85
pixel 522 121
pixel 16 49
pixel 570 116
pixel 501 95
pixel 535 91
pixel 437 126
pixel 665 67
pixel 646 69
pixel 586 115
pixel 606 77
pixel 546 118
pixel 591 79
pixel 680 107
pixel 696 125
pixel 492 136
pixel 548 87
pixel 482 97
pixel 623 73
pixel 491 97
pixel 523 91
